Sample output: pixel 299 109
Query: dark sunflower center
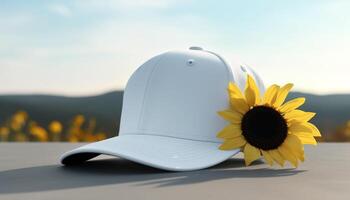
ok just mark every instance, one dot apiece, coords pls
pixel 264 127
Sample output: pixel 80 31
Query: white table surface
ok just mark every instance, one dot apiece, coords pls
pixel 31 171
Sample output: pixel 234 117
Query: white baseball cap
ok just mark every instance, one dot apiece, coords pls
pixel 169 117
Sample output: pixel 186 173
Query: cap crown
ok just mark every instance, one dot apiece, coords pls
pixel 177 94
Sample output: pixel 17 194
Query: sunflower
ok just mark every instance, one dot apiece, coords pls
pixel 264 126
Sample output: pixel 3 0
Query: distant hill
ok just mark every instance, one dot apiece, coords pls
pixel 332 110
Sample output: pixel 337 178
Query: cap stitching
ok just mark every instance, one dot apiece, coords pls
pixel 156 65
pixel 146 90
pixel 228 68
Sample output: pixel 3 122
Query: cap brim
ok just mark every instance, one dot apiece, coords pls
pixel 161 152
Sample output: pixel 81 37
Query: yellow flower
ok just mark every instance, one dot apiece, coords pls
pixel 78 120
pixel 55 127
pixel 18 120
pixel 264 126
pixel 20 116
pixel 39 132
pixel 100 136
pixel 4 133
pixel 73 139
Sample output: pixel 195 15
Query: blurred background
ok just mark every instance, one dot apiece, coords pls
pixel 64 64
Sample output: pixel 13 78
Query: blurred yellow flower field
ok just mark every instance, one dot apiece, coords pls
pixel 342 134
pixel 21 128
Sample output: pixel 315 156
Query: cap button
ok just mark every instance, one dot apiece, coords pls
pixel 196 48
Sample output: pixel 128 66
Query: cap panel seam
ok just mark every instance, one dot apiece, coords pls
pixel 230 75
pixel 146 90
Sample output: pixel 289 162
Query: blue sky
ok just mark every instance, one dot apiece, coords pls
pixel 83 47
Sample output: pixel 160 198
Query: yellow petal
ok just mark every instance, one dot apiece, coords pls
pixel 306 139
pixel 315 131
pixel 305 128
pixel 292 105
pixel 267 157
pixel 295 146
pixel 251 154
pixel 298 116
pixel 234 91
pixel 285 152
pixel 239 105
pixel 302 134
pixel 282 95
pixel 230 131
pixel 231 116
pixel 277 156
pixel 252 93
pixel 271 94
pixel 233 143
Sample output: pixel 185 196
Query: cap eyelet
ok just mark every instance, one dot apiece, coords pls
pixel 190 62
